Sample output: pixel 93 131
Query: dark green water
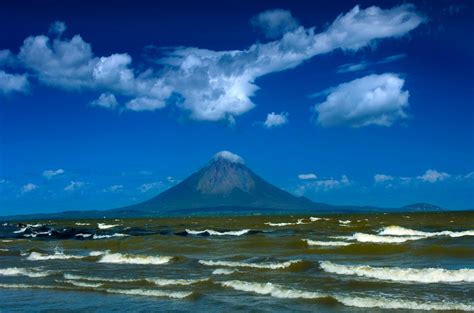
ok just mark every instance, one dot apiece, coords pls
pixel 349 263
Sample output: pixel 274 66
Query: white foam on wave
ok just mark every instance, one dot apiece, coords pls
pixel 327 243
pixel 19 271
pixel 223 271
pixel 83 235
pixel 96 279
pixel 7 240
pixel 395 230
pixel 362 237
pixel 399 304
pixel 314 219
pixel 218 233
pixel 25 286
pixel 119 258
pixel 278 291
pixel 172 282
pixel 273 290
pixel 4 249
pixel 151 293
pixel 36 256
pixel 82 224
pixel 272 266
pixel 410 275
pixel 298 222
pixel 95 237
pixel 344 222
pixel 82 284
pixel 106 226
pixel 279 224
pixel 98 253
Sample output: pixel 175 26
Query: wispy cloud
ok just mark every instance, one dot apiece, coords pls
pixel 363 65
pixel 28 187
pixel 210 85
pixel 53 173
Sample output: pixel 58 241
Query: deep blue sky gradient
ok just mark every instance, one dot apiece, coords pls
pixel 50 128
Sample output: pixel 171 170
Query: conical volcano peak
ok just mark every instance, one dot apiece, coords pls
pixel 228 156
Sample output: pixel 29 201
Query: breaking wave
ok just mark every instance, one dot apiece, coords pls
pixel 82 284
pixel 151 293
pixel 119 258
pixel 278 291
pixel 327 243
pixel 106 226
pixel 271 289
pixel 218 233
pixel 411 275
pixel 399 304
pixel 96 279
pixel 36 256
pixel 401 231
pixel 172 282
pixel 223 271
pixel 18 271
pixel 361 237
pixel 272 266
pixel 95 236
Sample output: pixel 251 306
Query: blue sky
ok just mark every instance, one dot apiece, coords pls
pixel 343 102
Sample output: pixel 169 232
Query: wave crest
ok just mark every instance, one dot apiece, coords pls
pixel 119 258
pixel 396 274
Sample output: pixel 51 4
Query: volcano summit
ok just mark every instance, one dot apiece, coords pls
pixel 224 183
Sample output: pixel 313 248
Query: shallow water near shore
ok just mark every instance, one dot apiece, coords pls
pixel 325 263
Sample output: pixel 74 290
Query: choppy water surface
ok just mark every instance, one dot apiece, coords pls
pixel 351 263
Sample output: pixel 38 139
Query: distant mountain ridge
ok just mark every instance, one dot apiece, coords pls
pixel 224 182
pixel 226 186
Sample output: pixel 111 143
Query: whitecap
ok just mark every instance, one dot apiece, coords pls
pixel 395 230
pixel 3 249
pixel 95 237
pixel 18 271
pixel 106 226
pixel 271 289
pixel 273 266
pixel 172 282
pixel 314 219
pixel 96 279
pixel 151 293
pixel 218 233
pixel 82 224
pixel 82 284
pixel 399 304
pixel 223 271
pixel 35 256
pixel 410 275
pixel 279 224
pixel 83 235
pixel 119 258
pixel 326 243
pixel 344 222
pixel 361 237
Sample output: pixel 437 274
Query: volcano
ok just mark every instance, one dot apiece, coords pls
pixel 224 183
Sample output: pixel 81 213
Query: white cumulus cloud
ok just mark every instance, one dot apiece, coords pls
pixel 274 23
pixel 209 85
pixel 229 156
pixel 307 176
pixel 370 100
pixel 381 178
pixel 106 100
pixel 28 187
pixel 13 82
pixel 275 120
pixel 52 173
pixel 433 176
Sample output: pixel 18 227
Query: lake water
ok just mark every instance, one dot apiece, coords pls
pixel 323 263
